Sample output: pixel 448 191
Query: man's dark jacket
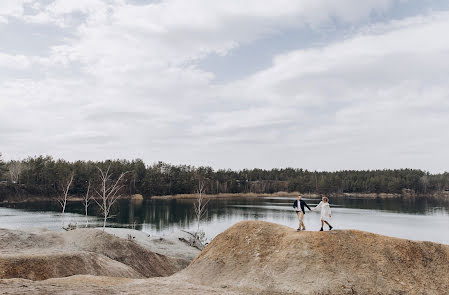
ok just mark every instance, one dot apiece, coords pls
pixel 301 205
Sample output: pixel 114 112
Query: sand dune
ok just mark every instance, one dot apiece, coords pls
pixel 264 258
pixel 40 256
pixel 274 258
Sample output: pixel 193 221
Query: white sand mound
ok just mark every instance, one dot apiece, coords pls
pixel 83 251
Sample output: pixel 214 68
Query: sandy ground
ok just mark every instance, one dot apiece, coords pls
pixel 255 257
pixel 82 285
pixel 44 255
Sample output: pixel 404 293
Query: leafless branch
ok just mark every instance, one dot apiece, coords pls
pixel 200 204
pixel 15 168
pixel 64 196
pixel 86 202
pixel 108 192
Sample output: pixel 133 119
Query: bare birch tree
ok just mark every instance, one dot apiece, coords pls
pixel 64 196
pixel 15 168
pixel 108 192
pixel 200 204
pixel 86 202
pixel 424 180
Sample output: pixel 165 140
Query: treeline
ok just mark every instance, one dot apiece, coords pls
pixel 45 175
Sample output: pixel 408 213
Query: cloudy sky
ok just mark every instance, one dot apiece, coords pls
pixel 316 84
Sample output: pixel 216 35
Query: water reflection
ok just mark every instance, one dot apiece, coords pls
pixel 419 220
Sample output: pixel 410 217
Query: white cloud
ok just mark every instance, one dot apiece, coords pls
pixel 13 8
pixel 125 82
pixel 388 94
pixel 14 61
pixel 362 62
pixel 180 31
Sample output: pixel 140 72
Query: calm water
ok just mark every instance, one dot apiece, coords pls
pixel 419 220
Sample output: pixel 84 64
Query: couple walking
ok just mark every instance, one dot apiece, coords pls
pixel 299 205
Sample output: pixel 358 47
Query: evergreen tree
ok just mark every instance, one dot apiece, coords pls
pixel 43 175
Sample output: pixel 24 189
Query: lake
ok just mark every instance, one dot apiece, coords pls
pixel 416 220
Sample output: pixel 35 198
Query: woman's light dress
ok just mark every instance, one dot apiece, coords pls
pixel 325 210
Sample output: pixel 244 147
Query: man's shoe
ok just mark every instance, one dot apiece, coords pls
pixel 298 229
pixel 321 229
pixel 330 227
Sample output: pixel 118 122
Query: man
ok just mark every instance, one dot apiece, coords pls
pixel 299 206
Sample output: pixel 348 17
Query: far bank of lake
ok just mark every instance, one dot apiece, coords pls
pixel 441 196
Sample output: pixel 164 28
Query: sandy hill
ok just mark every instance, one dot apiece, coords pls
pixel 82 251
pixel 265 258
pixel 254 255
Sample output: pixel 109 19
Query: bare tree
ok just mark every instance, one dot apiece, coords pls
pixel 425 182
pixel 108 193
pixel 200 204
pixel 15 168
pixel 2 166
pixel 86 202
pixel 63 197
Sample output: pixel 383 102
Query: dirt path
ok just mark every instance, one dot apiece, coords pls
pixel 83 285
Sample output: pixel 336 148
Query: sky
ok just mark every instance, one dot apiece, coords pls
pixel 314 84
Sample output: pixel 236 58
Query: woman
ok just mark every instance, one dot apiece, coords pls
pixel 325 212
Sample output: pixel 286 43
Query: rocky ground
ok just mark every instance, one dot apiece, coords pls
pixel 254 258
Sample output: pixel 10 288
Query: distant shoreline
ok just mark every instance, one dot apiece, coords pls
pixel 225 195
pixel 442 196
pixel 30 199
